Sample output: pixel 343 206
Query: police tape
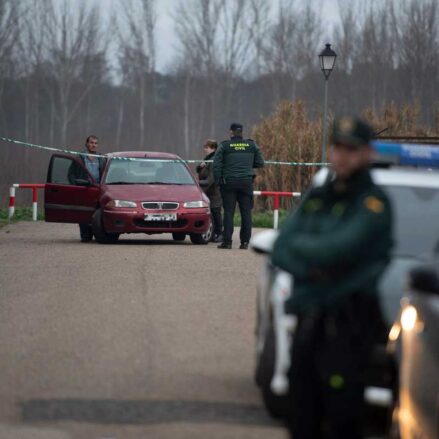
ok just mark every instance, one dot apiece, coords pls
pixel 78 153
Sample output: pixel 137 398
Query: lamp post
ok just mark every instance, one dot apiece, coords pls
pixel 327 62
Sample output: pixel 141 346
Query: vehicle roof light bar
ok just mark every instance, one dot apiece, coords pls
pixel 407 154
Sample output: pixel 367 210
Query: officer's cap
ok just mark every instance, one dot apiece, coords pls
pixel 350 130
pixel 236 126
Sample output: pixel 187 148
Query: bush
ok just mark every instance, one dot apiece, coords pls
pixel 291 135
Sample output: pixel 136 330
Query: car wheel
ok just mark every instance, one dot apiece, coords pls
pixel 208 236
pixel 198 238
pixel 99 232
pixel 278 406
pixel 178 236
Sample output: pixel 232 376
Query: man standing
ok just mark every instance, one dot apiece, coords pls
pixel 211 189
pixel 94 166
pixel 336 246
pixel 233 166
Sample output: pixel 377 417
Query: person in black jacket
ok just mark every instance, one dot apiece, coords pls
pixel 233 166
pixel 95 167
pixel 211 189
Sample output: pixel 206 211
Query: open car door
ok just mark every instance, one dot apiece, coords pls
pixel 71 194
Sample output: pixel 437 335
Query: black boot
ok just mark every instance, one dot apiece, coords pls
pixel 227 245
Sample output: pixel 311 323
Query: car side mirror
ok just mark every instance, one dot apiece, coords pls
pixel 424 280
pixel 82 182
pixel 203 183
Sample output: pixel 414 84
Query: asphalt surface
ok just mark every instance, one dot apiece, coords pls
pixel 147 338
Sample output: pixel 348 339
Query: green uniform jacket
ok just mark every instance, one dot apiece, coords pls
pixel 235 159
pixel 337 242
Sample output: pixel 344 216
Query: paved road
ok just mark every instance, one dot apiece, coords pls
pixel 147 338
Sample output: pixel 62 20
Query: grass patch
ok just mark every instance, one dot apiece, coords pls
pixel 262 219
pixel 21 214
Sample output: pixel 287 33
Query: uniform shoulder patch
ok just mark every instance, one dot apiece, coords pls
pixel 374 204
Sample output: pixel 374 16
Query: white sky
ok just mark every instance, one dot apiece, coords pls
pixel 166 41
pixel 165 36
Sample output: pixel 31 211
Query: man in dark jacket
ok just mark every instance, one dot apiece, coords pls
pixel 233 170
pixel 211 189
pixel 336 246
pixel 95 167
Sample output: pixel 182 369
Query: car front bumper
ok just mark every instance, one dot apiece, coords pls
pixel 133 221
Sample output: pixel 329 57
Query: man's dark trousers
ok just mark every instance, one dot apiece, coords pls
pixel 86 232
pixel 241 191
pixel 330 356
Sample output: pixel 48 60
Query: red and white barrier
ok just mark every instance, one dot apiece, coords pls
pixel 34 188
pixel 276 203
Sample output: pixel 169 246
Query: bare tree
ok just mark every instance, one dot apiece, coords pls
pixel 376 58
pixel 258 28
pixel 416 24
pixel 77 57
pixel 10 14
pixel 137 42
pixel 197 28
pixel 280 50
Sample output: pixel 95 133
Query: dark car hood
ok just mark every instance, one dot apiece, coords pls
pixel 393 284
pixel 152 192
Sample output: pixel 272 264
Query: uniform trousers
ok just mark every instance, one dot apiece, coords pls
pixel 217 220
pixel 241 191
pixel 330 355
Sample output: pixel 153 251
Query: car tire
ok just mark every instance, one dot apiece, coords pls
pixel 178 236
pixel 198 238
pixel 209 235
pixel 99 232
pixel 278 406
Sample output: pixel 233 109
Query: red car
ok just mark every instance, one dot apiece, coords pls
pixel 139 192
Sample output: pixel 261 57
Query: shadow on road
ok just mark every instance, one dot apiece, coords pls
pixel 143 412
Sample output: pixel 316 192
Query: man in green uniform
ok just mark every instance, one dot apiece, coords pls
pixel 233 166
pixel 336 246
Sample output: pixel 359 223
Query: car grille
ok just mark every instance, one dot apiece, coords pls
pixel 160 205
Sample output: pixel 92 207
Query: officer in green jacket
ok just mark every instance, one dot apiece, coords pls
pixel 233 170
pixel 336 245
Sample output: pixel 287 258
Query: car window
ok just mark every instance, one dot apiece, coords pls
pixel 147 172
pixel 64 170
pixel 416 214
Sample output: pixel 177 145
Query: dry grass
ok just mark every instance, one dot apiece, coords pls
pixel 290 135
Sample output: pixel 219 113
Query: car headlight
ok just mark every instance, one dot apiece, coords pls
pixel 120 203
pixel 195 204
pixel 409 317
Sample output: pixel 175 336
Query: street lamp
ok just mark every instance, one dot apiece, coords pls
pixel 327 62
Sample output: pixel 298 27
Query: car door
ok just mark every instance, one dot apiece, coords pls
pixel 71 194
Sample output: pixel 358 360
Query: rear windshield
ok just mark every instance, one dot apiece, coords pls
pixel 416 219
pixel 146 171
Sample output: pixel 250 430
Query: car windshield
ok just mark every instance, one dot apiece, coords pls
pixel 416 212
pixel 148 171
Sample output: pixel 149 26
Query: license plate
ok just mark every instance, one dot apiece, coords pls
pixel 160 217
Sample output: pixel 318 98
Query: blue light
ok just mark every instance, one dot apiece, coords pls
pixel 409 153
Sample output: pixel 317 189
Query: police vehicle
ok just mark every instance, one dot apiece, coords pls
pixel 414 338
pixel 409 175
